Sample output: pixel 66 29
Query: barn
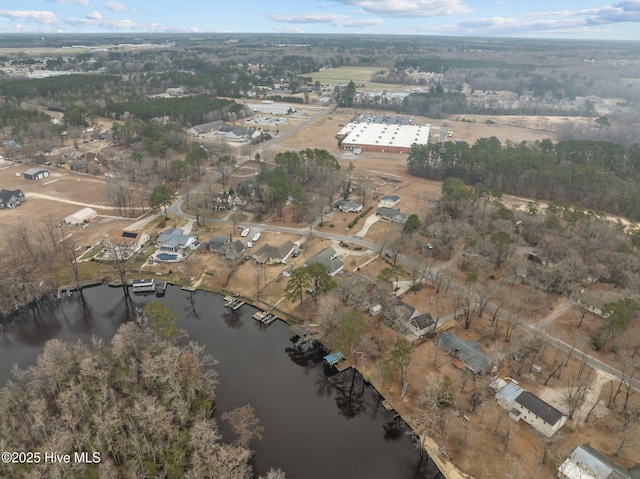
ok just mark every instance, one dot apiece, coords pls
pixel 385 138
pixel 35 174
pixel 81 216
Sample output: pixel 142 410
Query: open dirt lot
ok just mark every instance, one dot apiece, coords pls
pixel 50 199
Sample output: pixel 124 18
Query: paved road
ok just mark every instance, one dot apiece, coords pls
pixel 176 209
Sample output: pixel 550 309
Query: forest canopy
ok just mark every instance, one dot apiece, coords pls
pixel 141 405
pixel 599 175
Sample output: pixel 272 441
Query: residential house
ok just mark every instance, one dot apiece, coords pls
pixel 11 198
pixel 91 156
pixel 272 254
pixel 217 243
pixel 76 165
pixel 589 301
pixel 220 201
pixel 421 325
pixel 328 258
pixel 524 405
pixel 389 201
pixel 233 251
pixel 83 215
pixel 128 239
pixel 586 462
pixel 347 206
pixel 35 173
pixel 390 214
pixel 468 353
pixel 175 239
pixel 408 318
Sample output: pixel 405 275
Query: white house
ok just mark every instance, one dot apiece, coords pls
pixel 35 174
pixel 586 462
pixel 521 404
pixel 389 201
pixel 81 216
pixel 347 206
pixel 175 240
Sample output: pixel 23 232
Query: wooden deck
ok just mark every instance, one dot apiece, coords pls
pixel 387 405
pixel 343 365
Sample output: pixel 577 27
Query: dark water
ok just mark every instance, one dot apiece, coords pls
pixel 318 424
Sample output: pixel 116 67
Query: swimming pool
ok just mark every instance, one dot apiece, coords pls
pixel 167 257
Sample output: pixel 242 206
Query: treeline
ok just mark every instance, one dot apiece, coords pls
pixel 599 175
pixel 436 64
pixel 186 110
pixel 10 116
pixel 85 86
pixel 435 104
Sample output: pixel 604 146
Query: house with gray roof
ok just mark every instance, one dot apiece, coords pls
pixel 392 215
pixel 524 405
pixel 11 198
pixel 389 201
pixel 217 243
pixel 328 258
pixel 585 462
pixel 175 240
pixel 233 251
pixel 272 254
pixel 468 352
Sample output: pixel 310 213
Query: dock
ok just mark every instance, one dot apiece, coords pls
pixel 161 288
pixel 343 365
pixel 235 305
pixel 67 289
pixel 387 405
pixel 264 317
pixel 228 300
pixel 304 336
pixel 334 358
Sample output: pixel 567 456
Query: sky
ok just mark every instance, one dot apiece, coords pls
pixel 576 19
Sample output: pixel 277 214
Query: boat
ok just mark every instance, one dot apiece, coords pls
pixel 144 285
pixel 160 288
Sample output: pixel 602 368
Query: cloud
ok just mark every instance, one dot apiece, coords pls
pixel 311 18
pixel 95 15
pixel 331 18
pixel 565 21
pixel 410 8
pixel 291 29
pixel 42 17
pixel 118 7
pixel 84 3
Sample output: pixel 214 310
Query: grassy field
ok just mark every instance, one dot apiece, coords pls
pixel 359 75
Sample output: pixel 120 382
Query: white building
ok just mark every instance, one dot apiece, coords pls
pixel 586 462
pixel 385 138
pixel 81 216
pixel 521 404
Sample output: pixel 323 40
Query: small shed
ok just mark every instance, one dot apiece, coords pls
pixel 35 174
pixel 81 216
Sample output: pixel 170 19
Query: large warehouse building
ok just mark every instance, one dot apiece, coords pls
pixel 384 138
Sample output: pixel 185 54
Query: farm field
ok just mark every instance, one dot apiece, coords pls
pixel 359 75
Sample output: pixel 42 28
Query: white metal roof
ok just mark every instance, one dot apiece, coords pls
pixel 381 134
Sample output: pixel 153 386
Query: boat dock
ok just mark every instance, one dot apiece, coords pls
pixel 234 304
pixel 304 337
pixel 264 317
pixel 387 405
pixel 161 288
pixel 67 289
pixel 343 365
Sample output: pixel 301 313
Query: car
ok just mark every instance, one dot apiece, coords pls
pixel 247 258
pixel 310 291
pixel 249 244
pixel 296 252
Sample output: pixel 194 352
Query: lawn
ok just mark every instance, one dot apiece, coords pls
pixel 344 74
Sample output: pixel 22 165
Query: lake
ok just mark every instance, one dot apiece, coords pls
pixel 318 423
